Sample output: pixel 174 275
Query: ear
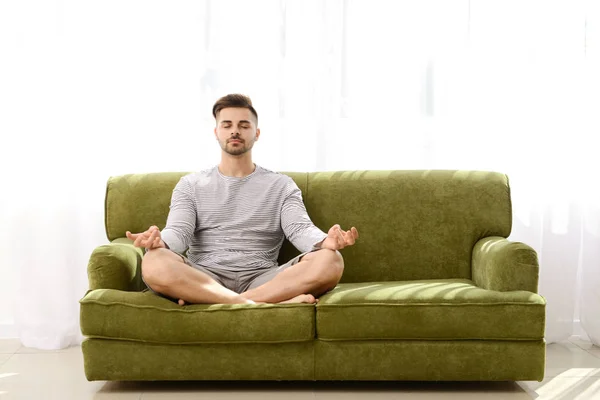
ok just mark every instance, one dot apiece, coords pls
pixel 215 130
pixel 257 134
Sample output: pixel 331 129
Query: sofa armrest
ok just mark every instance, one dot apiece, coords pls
pixel 502 265
pixel 117 265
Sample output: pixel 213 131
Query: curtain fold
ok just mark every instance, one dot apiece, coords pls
pixel 89 90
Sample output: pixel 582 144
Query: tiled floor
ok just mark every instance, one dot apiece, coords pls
pixel 572 372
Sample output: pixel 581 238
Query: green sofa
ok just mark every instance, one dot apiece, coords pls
pixel 432 290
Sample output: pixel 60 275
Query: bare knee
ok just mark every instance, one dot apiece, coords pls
pixel 329 266
pixel 156 270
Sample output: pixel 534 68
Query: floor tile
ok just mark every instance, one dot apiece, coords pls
pixel 228 390
pixel 9 345
pixel 33 350
pixel 62 391
pixel 423 390
pixel 579 342
pixel 43 367
pixel 569 388
pixel 595 351
pixel 4 358
pixel 568 360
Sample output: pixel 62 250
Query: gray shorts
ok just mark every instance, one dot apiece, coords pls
pixel 240 281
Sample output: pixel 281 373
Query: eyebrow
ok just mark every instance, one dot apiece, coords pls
pixel 244 121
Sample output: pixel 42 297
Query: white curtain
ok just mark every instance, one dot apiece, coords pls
pixel 93 89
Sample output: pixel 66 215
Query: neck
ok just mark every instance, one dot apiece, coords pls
pixel 238 167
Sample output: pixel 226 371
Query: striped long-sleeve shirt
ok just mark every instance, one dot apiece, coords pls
pixel 238 223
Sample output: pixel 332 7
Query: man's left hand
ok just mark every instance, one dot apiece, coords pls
pixel 337 239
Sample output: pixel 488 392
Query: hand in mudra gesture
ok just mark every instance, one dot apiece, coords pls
pixel 150 239
pixel 337 239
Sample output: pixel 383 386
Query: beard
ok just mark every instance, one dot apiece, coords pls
pixel 237 150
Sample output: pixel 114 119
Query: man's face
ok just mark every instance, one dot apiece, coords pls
pixel 236 130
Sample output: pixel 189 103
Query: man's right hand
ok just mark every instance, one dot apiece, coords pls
pixel 150 239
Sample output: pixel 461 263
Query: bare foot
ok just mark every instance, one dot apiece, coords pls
pixel 301 298
pixel 181 302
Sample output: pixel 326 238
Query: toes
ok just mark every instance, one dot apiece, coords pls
pixel 181 302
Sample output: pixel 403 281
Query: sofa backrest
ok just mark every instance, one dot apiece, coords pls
pixel 412 224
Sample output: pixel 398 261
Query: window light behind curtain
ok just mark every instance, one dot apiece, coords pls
pixel 95 89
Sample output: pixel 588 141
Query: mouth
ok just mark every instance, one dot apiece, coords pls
pixel 234 141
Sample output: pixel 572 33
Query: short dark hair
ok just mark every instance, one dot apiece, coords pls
pixel 235 101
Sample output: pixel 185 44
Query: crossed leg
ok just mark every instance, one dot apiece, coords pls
pixel 166 273
pixel 316 273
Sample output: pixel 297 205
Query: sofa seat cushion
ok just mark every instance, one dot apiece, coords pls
pixel 439 309
pixel 146 317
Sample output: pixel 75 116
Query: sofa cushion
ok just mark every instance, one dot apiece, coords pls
pixel 146 317
pixel 412 224
pixel 428 309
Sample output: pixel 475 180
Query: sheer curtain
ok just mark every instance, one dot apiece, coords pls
pixel 89 90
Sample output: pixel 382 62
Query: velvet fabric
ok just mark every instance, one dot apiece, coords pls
pixel 146 317
pixel 432 290
pixel 412 224
pixel 134 202
pixel 499 264
pixel 429 309
pixel 416 224
pixel 108 359
pixel 430 360
pixel 316 360
pixel 117 265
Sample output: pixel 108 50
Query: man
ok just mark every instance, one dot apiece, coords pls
pixel 232 219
